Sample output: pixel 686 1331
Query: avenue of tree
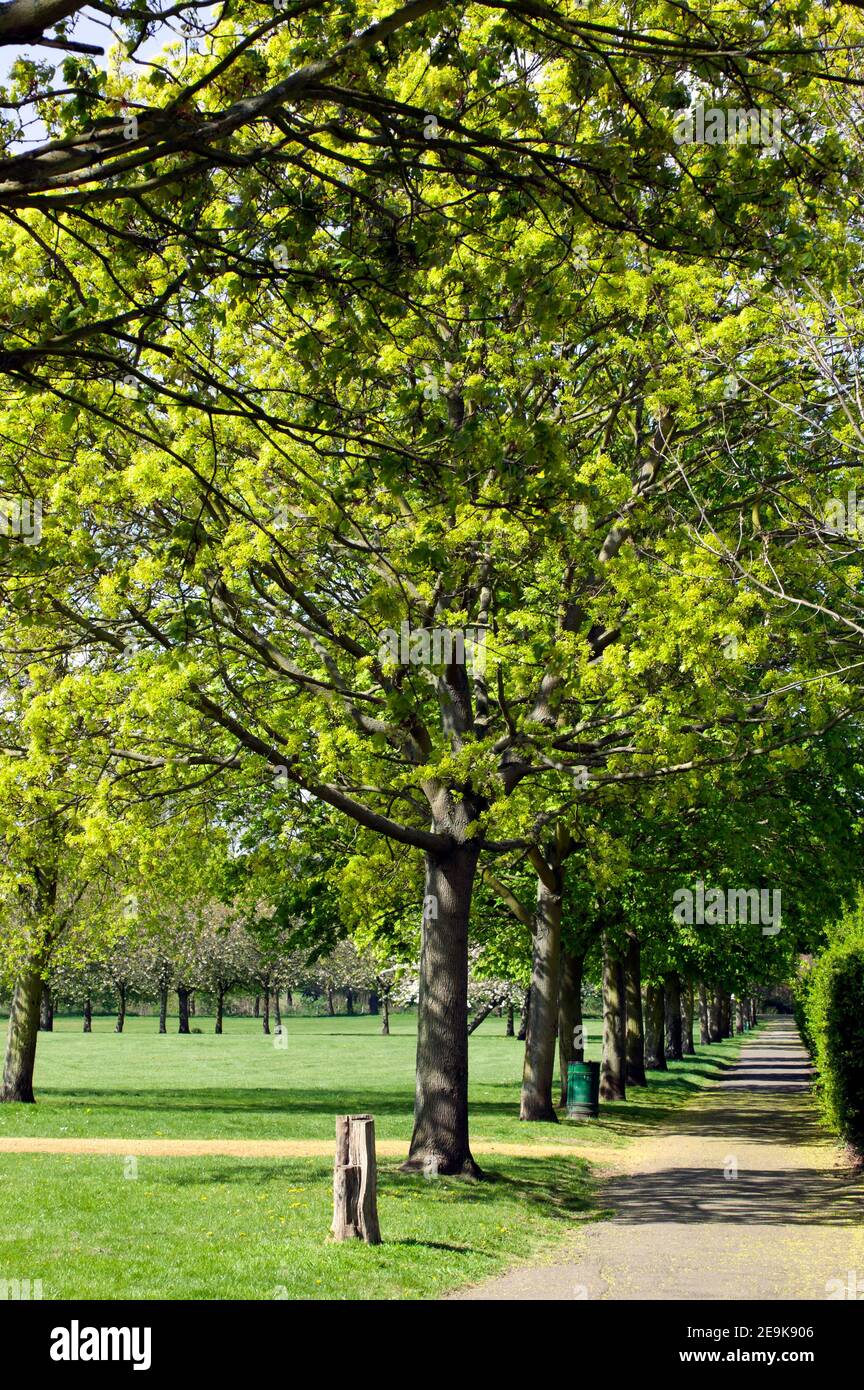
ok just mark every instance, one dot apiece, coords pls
pixel 338 318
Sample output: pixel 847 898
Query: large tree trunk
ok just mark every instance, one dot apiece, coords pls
pixel 46 1010
pixel 163 1009
pixel 613 1066
pixel 655 1027
pixel 715 1021
pixel 220 1008
pixel 183 1006
pixel 689 1005
pixel 523 1016
pixel 440 1141
pixel 88 1015
pixel 674 1048
pixel 121 1009
pixel 571 1044
pixel 539 1066
pixel 21 1036
pixel 704 1025
pixel 635 1019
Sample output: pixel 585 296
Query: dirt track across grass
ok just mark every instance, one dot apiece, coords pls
pixel 743 1196
pixel 277 1148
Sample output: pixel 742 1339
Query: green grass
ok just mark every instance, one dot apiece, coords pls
pixel 239 1085
pixel 224 1228
pixel 228 1229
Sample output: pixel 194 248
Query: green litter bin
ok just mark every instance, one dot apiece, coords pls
pixel 583 1090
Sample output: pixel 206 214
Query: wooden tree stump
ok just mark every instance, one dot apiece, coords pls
pixel 355 1181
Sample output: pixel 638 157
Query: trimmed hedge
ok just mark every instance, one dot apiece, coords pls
pixel 802 988
pixel 830 998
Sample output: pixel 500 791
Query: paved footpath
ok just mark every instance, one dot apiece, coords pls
pixel 743 1196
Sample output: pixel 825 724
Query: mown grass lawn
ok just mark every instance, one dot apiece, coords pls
pixel 249 1229
pixel 225 1228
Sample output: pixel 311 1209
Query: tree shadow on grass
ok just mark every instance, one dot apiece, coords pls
pixel 559 1187
pixel 416 1243
pixel 559 1190
pixel 248 1100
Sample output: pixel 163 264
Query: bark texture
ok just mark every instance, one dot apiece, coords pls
pixel 46 1010
pixel 715 1024
pixel 21 1035
pixel 571 1043
pixel 688 1005
pixel 539 1067
pixel 613 1066
pixel 674 1044
pixel 655 1028
pixel 704 1025
pixel 635 1019
pixel 439 1141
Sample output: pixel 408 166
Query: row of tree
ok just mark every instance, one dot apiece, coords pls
pixel 425 320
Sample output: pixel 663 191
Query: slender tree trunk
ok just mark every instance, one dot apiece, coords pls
pixel 674 1048
pixel 121 1009
pixel 88 1015
pixel 277 1011
pixel 46 1010
pixel 523 1016
pixel 510 1030
pixel 482 1013
pixel 440 1140
pixel 689 1007
pixel 220 1007
pixel 655 1028
pixel 289 1000
pixel 163 1009
pixel 330 1008
pixel 739 1015
pixel 265 1016
pixel 256 1012
pixel 385 1015
pixel 21 1035
pixel 704 1025
pixel 715 1024
pixel 349 1001
pixel 635 1020
pixel 571 1044
pixel 539 1067
pixel 613 1066
pixel 373 1003
pixel 183 1006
